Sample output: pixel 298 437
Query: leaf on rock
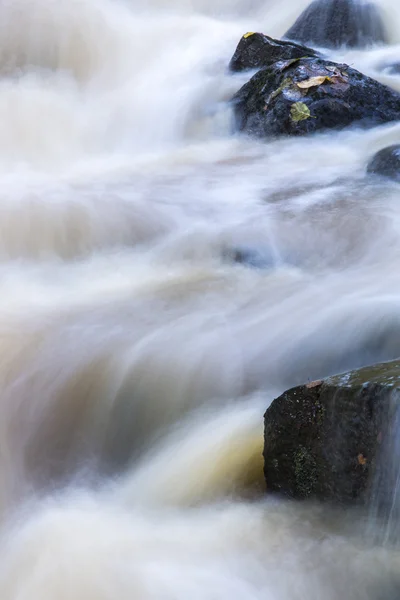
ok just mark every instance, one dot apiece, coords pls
pixel 248 34
pixel 339 78
pixel 312 82
pixel 314 384
pixel 299 112
pixel 332 68
pixel 285 83
pixel 341 83
pixel 281 65
pixel 362 460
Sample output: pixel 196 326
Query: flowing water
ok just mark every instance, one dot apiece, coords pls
pixel 138 354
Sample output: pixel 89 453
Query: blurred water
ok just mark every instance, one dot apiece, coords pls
pixel 137 355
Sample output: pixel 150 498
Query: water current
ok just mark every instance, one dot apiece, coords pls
pixel 137 356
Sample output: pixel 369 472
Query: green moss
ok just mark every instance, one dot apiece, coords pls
pixel 387 374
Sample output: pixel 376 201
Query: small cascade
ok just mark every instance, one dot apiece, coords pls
pixel 384 512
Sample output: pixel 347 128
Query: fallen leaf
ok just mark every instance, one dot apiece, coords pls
pixel 285 83
pixel 309 69
pixel 281 65
pixel 248 34
pixel 338 79
pixel 312 82
pixel 362 460
pixel 299 112
pixel 314 384
pixel 332 69
pixel 340 83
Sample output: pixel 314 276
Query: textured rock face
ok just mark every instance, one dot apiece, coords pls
pixel 386 163
pixel 302 96
pixel 324 440
pixel 256 50
pixel 335 23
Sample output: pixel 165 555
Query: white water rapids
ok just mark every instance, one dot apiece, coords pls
pixel 137 357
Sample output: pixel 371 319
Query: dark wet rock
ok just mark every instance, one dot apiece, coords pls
pixel 259 257
pixel 335 23
pixel 251 257
pixel 301 96
pixel 324 440
pixel 394 69
pixel 391 68
pixel 256 50
pixel 386 163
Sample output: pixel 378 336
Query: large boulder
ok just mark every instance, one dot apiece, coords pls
pixel 256 50
pixel 332 439
pixel 335 23
pixel 386 163
pixel 301 96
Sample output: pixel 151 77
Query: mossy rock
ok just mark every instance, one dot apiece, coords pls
pixel 324 440
pixel 306 95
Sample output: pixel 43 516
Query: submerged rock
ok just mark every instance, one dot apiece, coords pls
pixel 391 68
pixel 335 23
pixel 256 50
pixel 386 163
pixel 251 257
pixel 324 440
pixel 301 96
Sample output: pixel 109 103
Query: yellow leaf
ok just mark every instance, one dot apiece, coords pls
pixel 248 34
pixel 362 460
pixel 311 82
pixel 299 111
pixel 285 83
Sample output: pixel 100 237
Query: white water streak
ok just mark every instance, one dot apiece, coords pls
pixel 137 357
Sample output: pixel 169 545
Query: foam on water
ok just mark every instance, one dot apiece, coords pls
pixel 137 356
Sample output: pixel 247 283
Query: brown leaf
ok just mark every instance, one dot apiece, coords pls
pixel 362 460
pixel 340 83
pixel 312 82
pixel 314 384
pixel 338 79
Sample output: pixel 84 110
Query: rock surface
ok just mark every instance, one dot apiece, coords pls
pixel 256 50
pixel 335 23
pixel 391 68
pixel 301 96
pixel 323 440
pixel 386 163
